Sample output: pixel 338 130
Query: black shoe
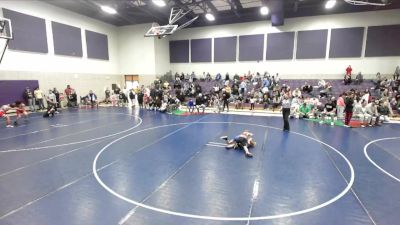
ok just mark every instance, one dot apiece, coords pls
pixel 225 138
pixel 15 123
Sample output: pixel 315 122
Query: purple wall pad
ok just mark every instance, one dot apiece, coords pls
pixel 67 40
pixel 13 90
pixel 383 41
pixel 179 51
pixel 29 32
pixel 280 46
pixel 97 45
pixel 225 49
pixel 200 50
pixel 311 44
pixel 346 42
pixel 251 47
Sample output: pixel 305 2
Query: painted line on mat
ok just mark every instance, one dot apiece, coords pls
pixel 77 142
pixel 373 162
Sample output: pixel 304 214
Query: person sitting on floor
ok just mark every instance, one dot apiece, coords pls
pixel 242 141
pixel 305 110
pixel 51 109
pixel 307 88
pixel 92 99
pixel 359 78
pixel 329 110
pixel 360 112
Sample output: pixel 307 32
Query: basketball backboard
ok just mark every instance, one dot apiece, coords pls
pixel 161 31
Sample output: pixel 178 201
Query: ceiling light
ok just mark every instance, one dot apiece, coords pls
pixel 330 4
pixel 210 17
pixel 159 3
pixel 264 10
pixel 108 9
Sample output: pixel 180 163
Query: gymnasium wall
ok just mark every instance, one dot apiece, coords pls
pixel 146 56
pixel 49 62
pixel 58 67
pixel 82 83
pixel 295 68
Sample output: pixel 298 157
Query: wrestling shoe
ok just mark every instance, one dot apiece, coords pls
pixel 225 138
pixel 9 126
pixel 249 155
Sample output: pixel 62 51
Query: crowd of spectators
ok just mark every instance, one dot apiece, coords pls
pixel 371 106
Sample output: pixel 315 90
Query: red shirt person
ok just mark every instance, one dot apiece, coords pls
pixel 68 90
pixel 348 70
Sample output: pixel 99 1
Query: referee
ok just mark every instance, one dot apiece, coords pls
pixel 286 111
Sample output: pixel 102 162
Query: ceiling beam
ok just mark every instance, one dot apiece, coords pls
pixel 96 7
pixel 235 6
pixel 211 6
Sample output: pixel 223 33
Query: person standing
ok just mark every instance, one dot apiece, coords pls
pixel 57 94
pixel 225 98
pixel 107 93
pixel 340 106
pixel 28 96
pixel 39 98
pixel 349 105
pixel 286 112
pixel 68 91
pixel 132 97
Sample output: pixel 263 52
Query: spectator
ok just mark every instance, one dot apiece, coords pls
pixel 384 111
pixel 227 77
pixel 347 77
pixel 349 70
pixel 208 77
pixel 92 98
pixel 307 88
pixel 29 99
pixel 360 111
pixel 39 98
pixel 372 110
pixel 132 97
pixel 340 105
pixel 396 73
pixel 57 94
pixel 329 110
pixel 225 98
pixel 68 91
pixel 218 77
pixel 305 110
pixel 107 93
pixel 349 104
pixel 359 78
pixel 73 99
pixel 191 106
pixel 52 101
pixel 200 103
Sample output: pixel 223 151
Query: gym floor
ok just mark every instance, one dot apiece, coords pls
pixel 115 166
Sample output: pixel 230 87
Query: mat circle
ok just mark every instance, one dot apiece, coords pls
pixel 170 212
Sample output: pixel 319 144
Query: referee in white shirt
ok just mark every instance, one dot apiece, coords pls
pixel 286 111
